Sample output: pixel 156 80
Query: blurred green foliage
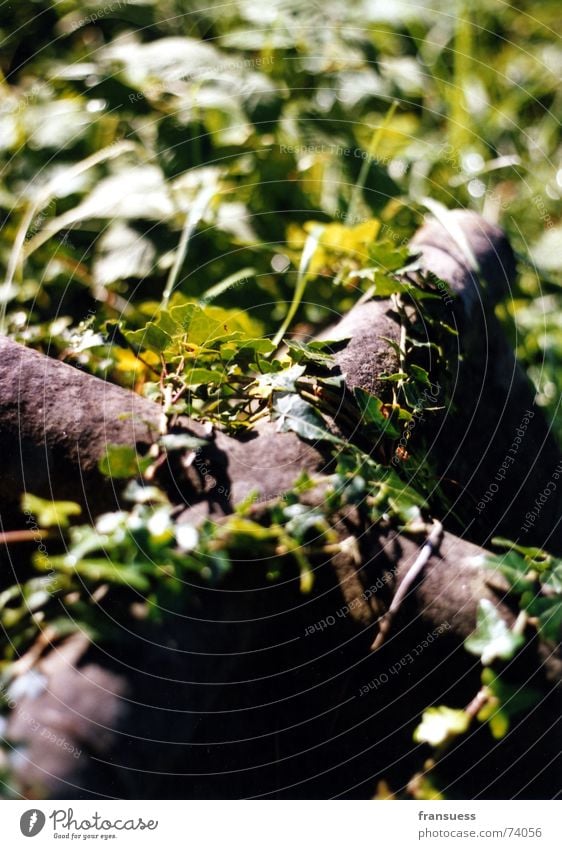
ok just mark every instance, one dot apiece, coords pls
pixel 242 168
pixel 157 147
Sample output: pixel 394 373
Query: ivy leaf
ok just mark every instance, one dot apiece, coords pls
pixel 202 376
pixel 553 578
pixel 395 496
pixel 519 581
pixel 303 520
pixel 492 639
pixel 101 570
pixel 151 337
pixel 548 611
pixel 394 378
pixel 312 352
pixel 388 255
pixel 515 570
pixel 123 461
pixel 299 416
pixel 497 719
pixel 537 555
pixel 50 513
pixel 244 349
pixel 505 701
pixel 420 375
pixel 371 411
pixel 209 324
pixel 386 285
pixel 280 381
pixel 440 724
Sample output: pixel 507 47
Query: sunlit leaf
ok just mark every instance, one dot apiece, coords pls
pixel 123 461
pixel 50 513
pixel 440 724
pixel 492 639
pixel 299 416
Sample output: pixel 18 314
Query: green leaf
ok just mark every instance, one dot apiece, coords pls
pixel 202 376
pixel 50 513
pixel 492 639
pixel 386 285
pixel 302 520
pixel 394 378
pixel 517 578
pixel 371 411
pixel 100 570
pixel 204 326
pixel 311 353
pixel 440 724
pixel 388 256
pixel 505 701
pixel 123 461
pixel 151 338
pixel 548 611
pixel 420 375
pixel 280 381
pixel 537 555
pixel 553 577
pixel 299 416
pixel 391 495
pixel 514 568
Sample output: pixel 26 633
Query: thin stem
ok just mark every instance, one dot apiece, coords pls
pixel 8 537
pixel 362 178
pixel 192 219
pixel 309 250
pixel 236 279
pixel 431 545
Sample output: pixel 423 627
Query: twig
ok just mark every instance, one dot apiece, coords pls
pixel 431 545
pixel 475 706
pixel 8 537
